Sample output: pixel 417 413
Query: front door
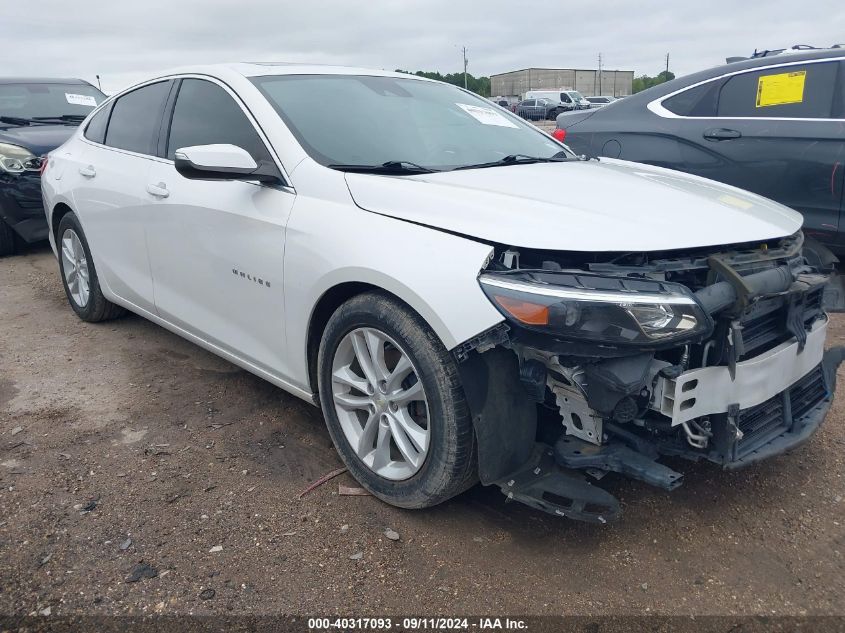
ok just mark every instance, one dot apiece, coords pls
pixel 217 247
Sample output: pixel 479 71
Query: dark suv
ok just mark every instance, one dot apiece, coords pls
pixel 36 116
pixel 774 125
pixel 538 109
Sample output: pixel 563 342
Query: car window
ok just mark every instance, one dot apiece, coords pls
pixel 529 102
pixel 793 91
pixel 136 118
pixel 205 114
pixel 433 124
pixel 565 98
pixel 48 100
pixel 700 101
pixel 96 128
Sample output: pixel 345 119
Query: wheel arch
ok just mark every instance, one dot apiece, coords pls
pixel 59 211
pixel 336 295
pixel 323 310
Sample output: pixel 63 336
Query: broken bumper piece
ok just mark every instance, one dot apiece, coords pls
pixel 713 390
pixel 779 424
pixel 554 481
pixel 543 485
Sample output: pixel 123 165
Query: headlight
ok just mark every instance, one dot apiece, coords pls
pixel 608 310
pixel 16 160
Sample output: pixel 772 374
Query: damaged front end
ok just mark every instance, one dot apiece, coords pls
pixel 608 362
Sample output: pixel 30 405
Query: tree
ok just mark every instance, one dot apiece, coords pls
pixel 478 85
pixel 644 81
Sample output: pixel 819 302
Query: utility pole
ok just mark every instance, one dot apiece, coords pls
pixel 598 76
pixel 667 66
pixel 464 51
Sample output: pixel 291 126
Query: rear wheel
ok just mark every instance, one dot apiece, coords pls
pixel 8 240
pixel 394 405
pixel 79 276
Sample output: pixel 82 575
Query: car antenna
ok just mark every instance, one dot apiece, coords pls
pixel 99 85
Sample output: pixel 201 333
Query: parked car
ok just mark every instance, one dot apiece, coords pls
pixel 538 109
pixel 420 277
pixel 772 125
pixel 36 116
pixel 599 101
pixel 566 100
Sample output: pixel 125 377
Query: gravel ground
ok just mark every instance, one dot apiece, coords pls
pixel 123 445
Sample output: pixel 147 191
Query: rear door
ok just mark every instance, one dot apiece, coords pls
pixel 778 131
pixel 217 247
pixel 111 195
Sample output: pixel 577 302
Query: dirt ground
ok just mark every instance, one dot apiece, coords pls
pixel 122 444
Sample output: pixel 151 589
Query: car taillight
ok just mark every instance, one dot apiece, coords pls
pixel 45 160
pixel 559 134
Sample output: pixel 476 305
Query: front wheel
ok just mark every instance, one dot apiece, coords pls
pixel 394 404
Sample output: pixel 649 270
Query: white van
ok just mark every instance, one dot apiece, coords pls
pixel 568 99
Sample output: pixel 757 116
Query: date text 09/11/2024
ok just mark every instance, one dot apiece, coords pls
pixel 416 624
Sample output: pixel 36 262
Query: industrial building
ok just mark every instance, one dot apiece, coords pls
pixel 516 83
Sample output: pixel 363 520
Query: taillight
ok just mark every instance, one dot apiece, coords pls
pixel 559 134
pixel 45 160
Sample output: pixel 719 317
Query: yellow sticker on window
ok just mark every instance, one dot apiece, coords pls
pixel 781 89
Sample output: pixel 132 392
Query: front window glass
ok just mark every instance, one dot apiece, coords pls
pixel 48 101
pixel 205 114
pixel 361 120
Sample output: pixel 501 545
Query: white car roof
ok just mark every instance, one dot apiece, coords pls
pixel 259 69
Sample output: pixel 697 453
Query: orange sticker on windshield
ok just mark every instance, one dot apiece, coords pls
pixel 781 89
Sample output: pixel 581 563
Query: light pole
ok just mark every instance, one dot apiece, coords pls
pixel 464 51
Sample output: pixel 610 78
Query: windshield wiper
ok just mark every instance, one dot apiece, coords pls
pixel 17 120
pixel 64 118
pixel 521 159
pixel 389 167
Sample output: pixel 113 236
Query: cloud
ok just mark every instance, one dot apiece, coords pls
pixel 125 42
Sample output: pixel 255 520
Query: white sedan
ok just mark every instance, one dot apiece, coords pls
pixel 462 296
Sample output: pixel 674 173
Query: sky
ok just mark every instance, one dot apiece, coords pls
pixel 126 41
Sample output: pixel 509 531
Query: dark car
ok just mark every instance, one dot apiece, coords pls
pixel 538 109
pixel 773 125
pixel 36 116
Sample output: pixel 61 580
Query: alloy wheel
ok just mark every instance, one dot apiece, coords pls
pixel 75 268
pixel 380 403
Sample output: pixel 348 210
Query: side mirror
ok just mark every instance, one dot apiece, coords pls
pixel 223 162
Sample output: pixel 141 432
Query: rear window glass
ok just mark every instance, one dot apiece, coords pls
pixel 96 130
pixel 136 118
pixel 698 101
pixel 791 91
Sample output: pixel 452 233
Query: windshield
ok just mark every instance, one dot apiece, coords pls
pixel 577 96
pixel 37 101
pixel 361 120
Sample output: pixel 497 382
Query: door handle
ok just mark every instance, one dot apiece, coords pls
pixel 721 134
pixel 159 190
pixel 88 172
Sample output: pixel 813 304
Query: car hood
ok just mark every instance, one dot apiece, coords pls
pixel 595 206
pixel 38 139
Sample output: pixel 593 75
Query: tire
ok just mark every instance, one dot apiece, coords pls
pixel 449 465
pixel 95 307
pixel 8 240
